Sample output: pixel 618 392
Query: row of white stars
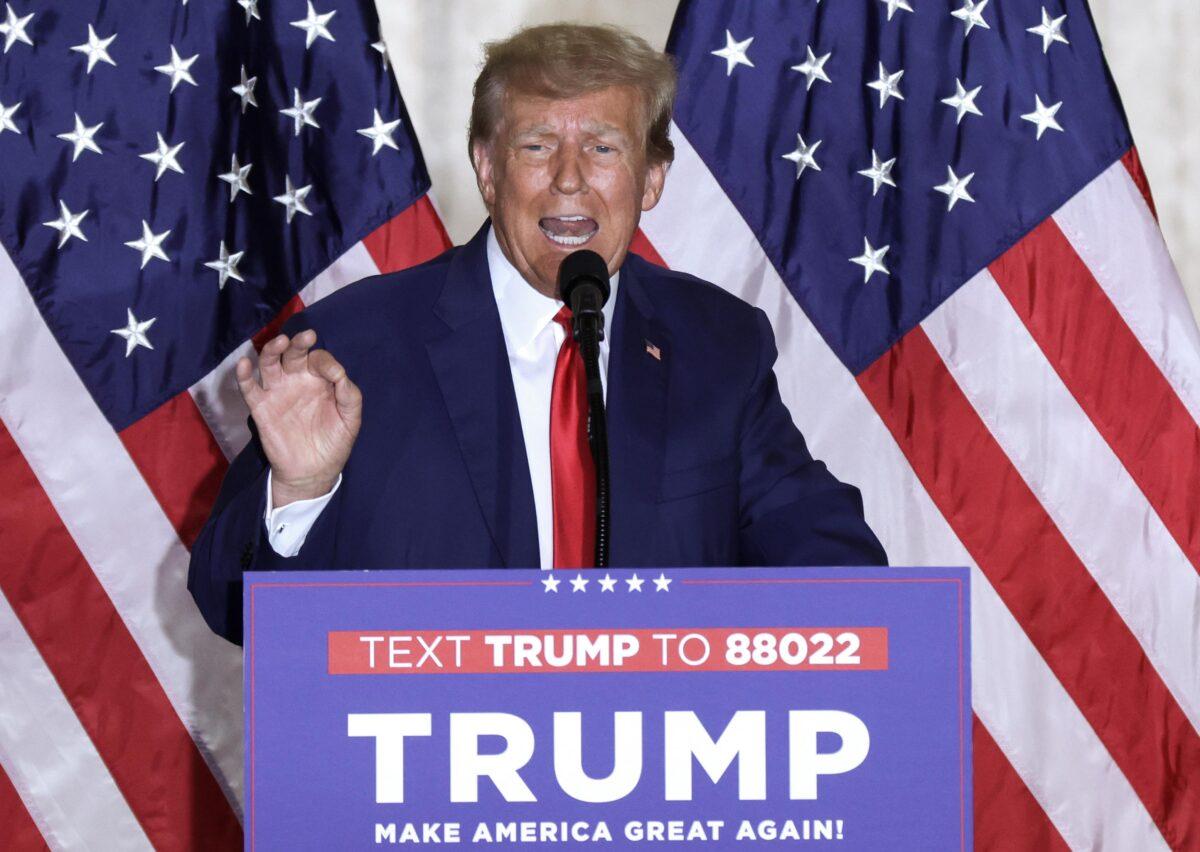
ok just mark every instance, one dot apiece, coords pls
pixel 736 52
pixel 14 29
pixel 1042 117
pixel 83 138
pixel 608 583
pixel 880 171
pixel 150 244
pixel 962 101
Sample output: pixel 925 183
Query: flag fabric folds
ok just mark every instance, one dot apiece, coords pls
pixel 176 181
pixel 939 207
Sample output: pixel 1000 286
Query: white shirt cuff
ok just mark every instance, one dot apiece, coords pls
pixel 288 526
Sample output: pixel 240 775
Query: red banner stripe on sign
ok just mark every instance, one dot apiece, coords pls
pixel 1109 373
pixel 67 614
pixel 1077 631
pixel 675 649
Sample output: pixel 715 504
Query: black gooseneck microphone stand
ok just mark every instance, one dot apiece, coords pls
pixel 583 283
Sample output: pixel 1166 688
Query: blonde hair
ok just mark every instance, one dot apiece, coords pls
pixel 567 60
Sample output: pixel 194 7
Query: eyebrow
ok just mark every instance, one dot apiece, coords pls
pixel 601 129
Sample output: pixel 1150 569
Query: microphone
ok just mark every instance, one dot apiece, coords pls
pixel 583 283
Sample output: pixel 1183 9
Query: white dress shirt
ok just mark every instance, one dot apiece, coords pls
pixel 532 339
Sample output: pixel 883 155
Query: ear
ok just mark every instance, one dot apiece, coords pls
pixel 656 176
pixel 481 160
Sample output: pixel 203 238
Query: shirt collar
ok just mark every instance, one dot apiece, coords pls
pixel 524 312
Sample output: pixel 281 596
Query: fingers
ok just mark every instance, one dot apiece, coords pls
pixel 251 391
pixel 346 394
pixel 292 360
pixel 269 366
pixel 324 365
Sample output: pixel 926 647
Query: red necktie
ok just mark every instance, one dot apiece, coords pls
pixel 572 470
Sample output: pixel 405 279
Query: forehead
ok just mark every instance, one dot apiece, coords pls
pixel 613 109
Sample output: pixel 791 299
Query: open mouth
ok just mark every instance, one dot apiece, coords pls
pixel 569 231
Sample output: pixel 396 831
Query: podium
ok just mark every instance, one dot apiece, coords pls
pixel 718 708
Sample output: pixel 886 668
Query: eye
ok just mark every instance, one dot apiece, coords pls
pixel 603 149
pixel 533 146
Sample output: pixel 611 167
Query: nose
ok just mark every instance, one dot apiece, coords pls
pixel 568 177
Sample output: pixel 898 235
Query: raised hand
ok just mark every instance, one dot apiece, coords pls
pixel 307 411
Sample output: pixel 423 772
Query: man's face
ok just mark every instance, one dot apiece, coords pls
pixel 562 175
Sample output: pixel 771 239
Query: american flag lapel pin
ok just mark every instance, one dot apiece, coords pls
pixel 653 351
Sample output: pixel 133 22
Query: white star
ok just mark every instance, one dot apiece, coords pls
pixel 803 156
pixel 813 68
pixel 893 5
pixel 314 26
pixel 871 260
pixel 81 138
pixel 734 53
pixel 380 133
pixel 13 28
pixel 963 101
pixel 226 266
pixel 551 583
pixel 164 157
pixel 135 333
pixel 578 584
pixel 880 172
pixel 251 7
pixel 662 583
pixel 971 14
pixel 301 111
pixel 888 85
pixel 150 245
pixel 1049 30
pixel 236 178
pixel 96 49
pixel 1043 116
pixel 293 199
pixel 6 117
pixel 955 188
pixel 608 583
pixel 177 68
pixel 383 54
pixel 245 90
pixel 67 224
pixel 635 583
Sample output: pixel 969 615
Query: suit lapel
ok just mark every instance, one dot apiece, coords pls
pixel 639 359
pixel 467 352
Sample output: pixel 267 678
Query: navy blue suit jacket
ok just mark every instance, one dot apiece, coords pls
pixel 707 467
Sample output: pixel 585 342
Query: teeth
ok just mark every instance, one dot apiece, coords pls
pixel 569 241
pixel 570 218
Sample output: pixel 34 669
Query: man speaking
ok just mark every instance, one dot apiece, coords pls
pixel 436 417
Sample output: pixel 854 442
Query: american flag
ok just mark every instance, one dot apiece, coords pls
pixel 177 179
pixel 938 205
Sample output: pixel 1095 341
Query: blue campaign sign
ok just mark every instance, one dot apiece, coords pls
pixel 725 708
